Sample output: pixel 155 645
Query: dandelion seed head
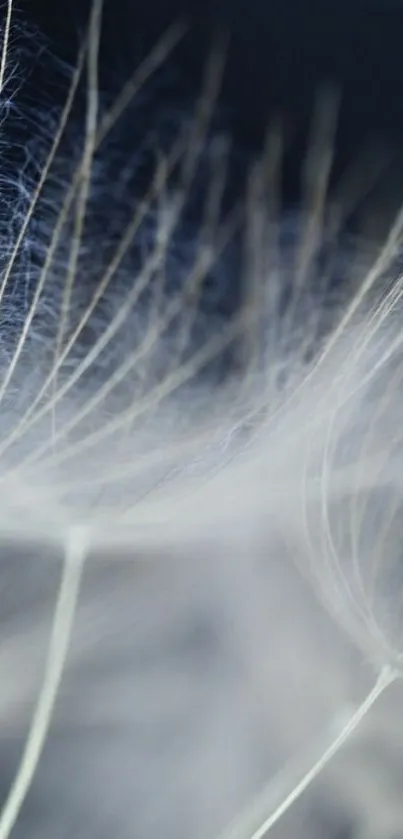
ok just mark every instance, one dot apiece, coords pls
pixel 187 372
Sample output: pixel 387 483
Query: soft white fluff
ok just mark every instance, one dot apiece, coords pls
pixel 212 499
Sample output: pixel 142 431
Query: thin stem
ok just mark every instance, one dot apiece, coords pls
pixel 243 827
pixel 6 41
pixel 75 552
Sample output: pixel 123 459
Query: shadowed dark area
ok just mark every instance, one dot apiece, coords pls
pixel 280 55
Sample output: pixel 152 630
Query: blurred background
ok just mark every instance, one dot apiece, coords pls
pixel 281 54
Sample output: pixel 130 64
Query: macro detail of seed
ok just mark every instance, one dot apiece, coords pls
pixel 200 439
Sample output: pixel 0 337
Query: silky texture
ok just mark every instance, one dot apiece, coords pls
pixel 199 472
